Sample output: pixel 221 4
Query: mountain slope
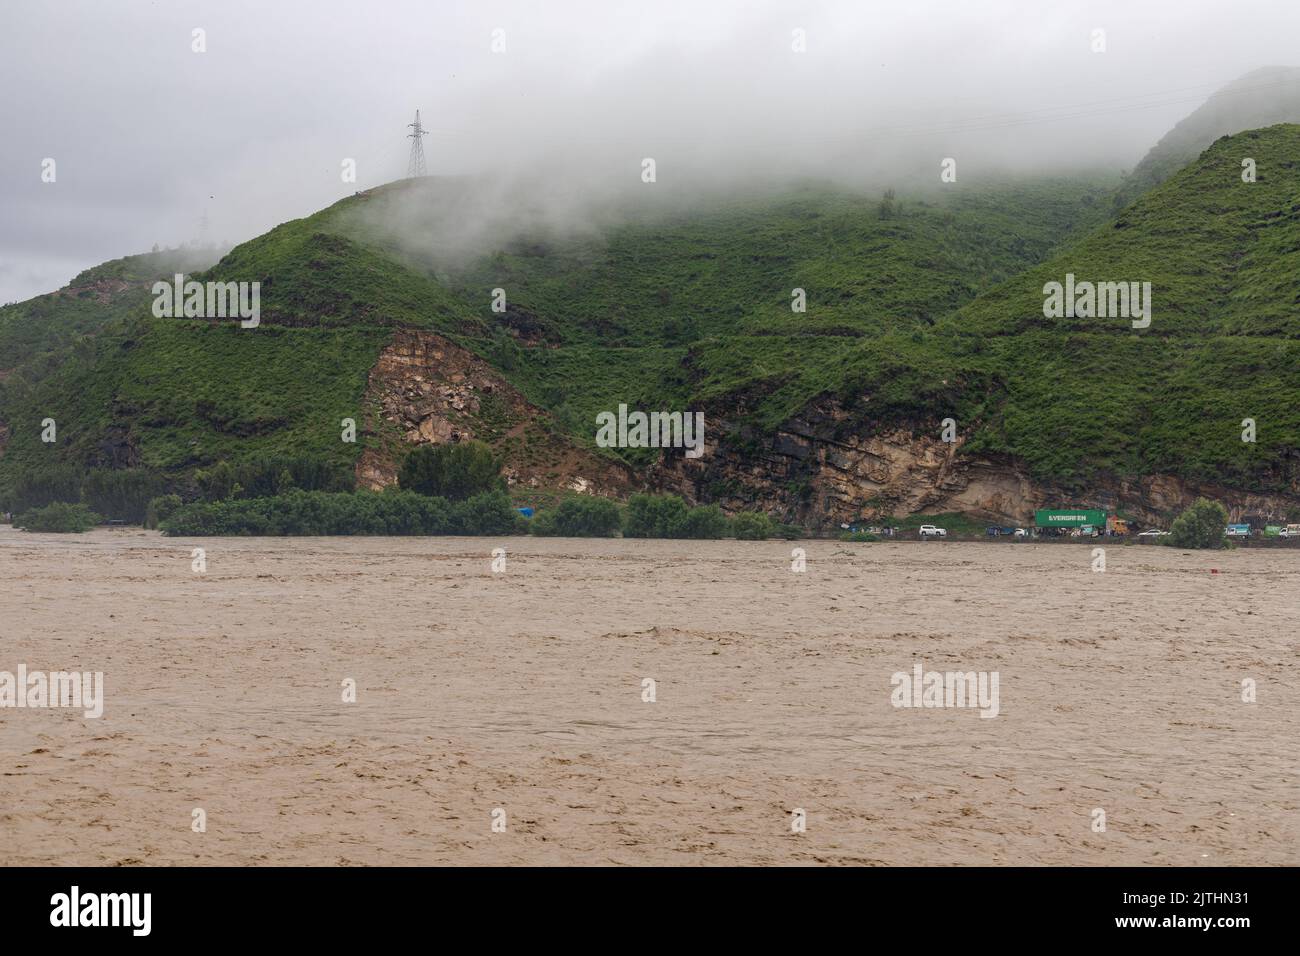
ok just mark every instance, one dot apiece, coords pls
pixel 919 308
pixel 1077 410
pixel 647 313
pixel 1221 256
pixel 35 334
pixel 1261 98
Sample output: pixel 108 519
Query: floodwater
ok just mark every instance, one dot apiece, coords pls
pixel 521 698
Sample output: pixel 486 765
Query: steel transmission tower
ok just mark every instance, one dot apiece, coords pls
pixel 415 167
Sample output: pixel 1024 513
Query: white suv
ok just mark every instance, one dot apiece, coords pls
pixel 930 531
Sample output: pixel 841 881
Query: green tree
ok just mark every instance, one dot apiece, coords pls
pixel 579 517
pixel 752 526
pixel 216 483
pixel 489 512
pixel 1200 526
pixel 40 487
pixel 123 494
pixel 706 521
pixel 654 516
pixel 58 516
pixel 668 516
pixel 160 509
pixel 454 472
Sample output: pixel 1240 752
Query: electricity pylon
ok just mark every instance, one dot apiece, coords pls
pixel 415 167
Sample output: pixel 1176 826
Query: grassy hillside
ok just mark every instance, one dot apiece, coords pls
pixel 35 335
pixel 918 308
pixel 897 334
pixel 128 389
pixel 1259 99
pixel 697 309
pixel 1082 396
pixel 657 312
pixel 314 275
pixel 181 395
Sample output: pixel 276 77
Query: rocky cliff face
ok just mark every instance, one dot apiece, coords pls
pixel 816 473
pixel 818 470
pixel 424 389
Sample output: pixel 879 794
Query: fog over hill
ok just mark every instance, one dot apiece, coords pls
pixel 255 129
pixel 1261 98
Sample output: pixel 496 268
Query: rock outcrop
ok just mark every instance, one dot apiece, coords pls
pixel 818 471
pixel 425 389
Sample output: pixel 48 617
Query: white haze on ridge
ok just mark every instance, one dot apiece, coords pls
pixel 151 137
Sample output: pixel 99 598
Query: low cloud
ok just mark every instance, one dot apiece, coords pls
pixel 152 137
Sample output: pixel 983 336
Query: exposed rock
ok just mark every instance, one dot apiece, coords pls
pixel 425 389
pixel 117 449
pixel 812 473
pixel 102 290
pixel 819 469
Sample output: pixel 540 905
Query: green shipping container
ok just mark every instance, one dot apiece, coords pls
pixel 1069 518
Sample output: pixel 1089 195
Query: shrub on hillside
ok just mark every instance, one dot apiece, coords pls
pixel 58 516
pixel 752 526
pixel 490 512
pixel 265 476
pixel 654 516
pixel 41 486
pixel 160 509
pixel 122 493
pixel 393 512
pixel 1200 526
pixel 668 516
pixel 455 472
pixel 579 517
pixel 706 521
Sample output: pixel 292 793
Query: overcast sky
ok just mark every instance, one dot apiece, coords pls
pixel 150 136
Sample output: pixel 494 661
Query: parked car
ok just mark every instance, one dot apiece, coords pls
pixel 930 531
pixel 1153 533
pixel 1021 533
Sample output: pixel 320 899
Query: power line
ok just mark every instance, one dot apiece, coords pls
pixel 993 121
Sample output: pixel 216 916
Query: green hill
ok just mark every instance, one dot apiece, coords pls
pixel 1082 396
pixel 652 312
pixel 919 307
pixel 1261 98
